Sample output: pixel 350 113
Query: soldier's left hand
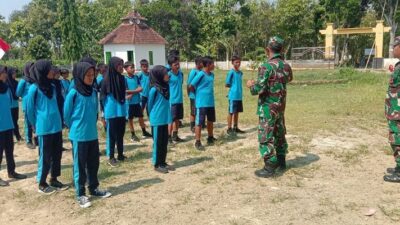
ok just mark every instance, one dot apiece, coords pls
pixel 250 83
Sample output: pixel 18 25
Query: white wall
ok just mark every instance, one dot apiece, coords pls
pixel 142 52
pixel 119 50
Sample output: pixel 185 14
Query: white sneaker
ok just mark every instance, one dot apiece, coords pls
pixel 84 202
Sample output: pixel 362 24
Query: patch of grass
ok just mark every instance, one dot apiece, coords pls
pixel 282 197
pixel 349 157
pixel 392 212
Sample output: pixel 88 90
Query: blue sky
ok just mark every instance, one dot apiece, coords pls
pixel 7 6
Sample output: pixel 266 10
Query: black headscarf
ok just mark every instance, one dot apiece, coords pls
pixel 114 82
pixel 89 60
pixel 157 80
pixel 39 72
pixel 27 76
pixel 79 72
pixel 3 86
pixel 11 82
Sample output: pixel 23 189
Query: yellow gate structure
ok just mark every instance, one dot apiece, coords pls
pixel 379 30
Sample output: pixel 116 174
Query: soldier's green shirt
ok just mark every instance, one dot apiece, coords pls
pixel 392 101
pixel 270 86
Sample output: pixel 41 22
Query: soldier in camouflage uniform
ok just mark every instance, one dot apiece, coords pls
pixel 270 87
pixel 392 112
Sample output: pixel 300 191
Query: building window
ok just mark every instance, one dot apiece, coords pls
pixel 151 60
pixel 108 57
pixel 130 56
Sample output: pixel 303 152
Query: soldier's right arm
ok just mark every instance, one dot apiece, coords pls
pixel 261 84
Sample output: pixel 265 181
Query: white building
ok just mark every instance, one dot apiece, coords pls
pixel 133 40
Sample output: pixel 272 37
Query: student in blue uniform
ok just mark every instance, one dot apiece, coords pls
pixel 112 95
pixel 65 82
pixel 133 89
pixel 160 116
pixel 80 115
pixel 89 60
pixel 12 85
pixel 176 98
pixel 44 115
pixel 102 70
pixel 203 86
pixel 234 83
pixel 6 129
pixel 199 66
pixel 144 78
pixel 22 92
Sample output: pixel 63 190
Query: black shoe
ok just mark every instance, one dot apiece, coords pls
pixel 121 158
pixel 211 140
pixel 64 149
pixel 393 170
pixel 230 131
pixel 161 169
pixel 394 178
pixel 58 185
pixel 147 134
pixel 99 193
pixel 282 162
pixel 17 176
pixel 170 140
pixel 134 138
pixel 169 167
pixel 177 139
pixel 199 146
pixel 112 162
pixel 46 189
pixel 180 124
pixel 30 145
pixel 267 171
pixel 239 131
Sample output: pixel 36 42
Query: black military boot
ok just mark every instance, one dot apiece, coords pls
pixel 394 178
pixel 282 162
pixel 268 170
pixel 393 170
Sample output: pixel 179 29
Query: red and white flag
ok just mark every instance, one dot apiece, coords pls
pixel 4 47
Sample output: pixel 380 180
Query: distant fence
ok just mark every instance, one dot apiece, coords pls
pixel 252 65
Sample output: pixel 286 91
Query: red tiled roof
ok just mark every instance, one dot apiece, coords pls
pixel 130 32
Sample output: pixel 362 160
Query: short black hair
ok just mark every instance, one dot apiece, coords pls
pixel 64 71
pixel 144 62
pixel 198 60
pixel 173 59
pixel 128 64
pixel 174 52
pixel 235 57
pixel 207 60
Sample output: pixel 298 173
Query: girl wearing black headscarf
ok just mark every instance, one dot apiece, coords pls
pixel 112 96
pixel 12 84
pixel 44 115
pixel 81 117
pixel 160 116
pixel 22 92
pixel 6 128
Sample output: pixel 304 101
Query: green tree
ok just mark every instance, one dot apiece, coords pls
pixel 71 34
pixel 39 48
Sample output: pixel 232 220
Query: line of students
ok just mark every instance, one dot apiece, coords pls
pixel 122 98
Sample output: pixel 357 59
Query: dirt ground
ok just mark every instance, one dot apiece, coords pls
pixel 333 178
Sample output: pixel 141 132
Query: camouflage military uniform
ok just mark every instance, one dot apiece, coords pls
pixel 270 86
pixel 392 112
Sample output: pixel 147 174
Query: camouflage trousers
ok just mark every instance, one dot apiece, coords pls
pixel 271 136
pixel 394 139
